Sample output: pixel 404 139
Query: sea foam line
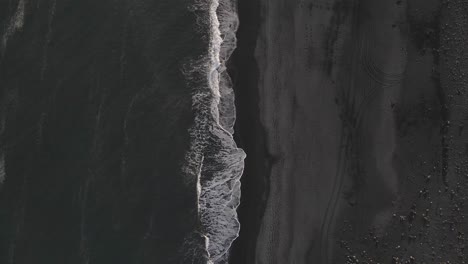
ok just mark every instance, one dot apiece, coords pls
pixel 213 156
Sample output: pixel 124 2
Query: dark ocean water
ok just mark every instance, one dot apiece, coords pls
pixel 101 133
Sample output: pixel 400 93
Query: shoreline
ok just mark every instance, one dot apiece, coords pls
pixel 353 103
pixel 249 133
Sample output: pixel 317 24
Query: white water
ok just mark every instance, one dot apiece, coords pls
pixel 214 158
pixel 16 24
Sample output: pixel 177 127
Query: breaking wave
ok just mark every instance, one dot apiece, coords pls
pixel 214 161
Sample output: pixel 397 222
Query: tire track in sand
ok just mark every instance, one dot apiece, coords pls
pixel 354 109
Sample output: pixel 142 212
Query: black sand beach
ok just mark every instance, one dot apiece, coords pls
pixel 352 116
pixel 249 132
pixel 116 142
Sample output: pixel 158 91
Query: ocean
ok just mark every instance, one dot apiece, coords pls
pixel 121 140
pixel 116 132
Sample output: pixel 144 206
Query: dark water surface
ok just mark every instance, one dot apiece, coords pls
pixel 95 114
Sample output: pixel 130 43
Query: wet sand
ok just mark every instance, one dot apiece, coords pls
pixel 361 108
pixel 249 133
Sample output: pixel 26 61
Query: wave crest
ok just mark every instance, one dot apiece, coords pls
pixel 214 159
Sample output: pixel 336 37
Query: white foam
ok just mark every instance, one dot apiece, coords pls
pixel 16 24
pixel 214 157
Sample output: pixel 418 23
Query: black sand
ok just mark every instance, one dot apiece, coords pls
pixel 249 133
pixel 359 134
